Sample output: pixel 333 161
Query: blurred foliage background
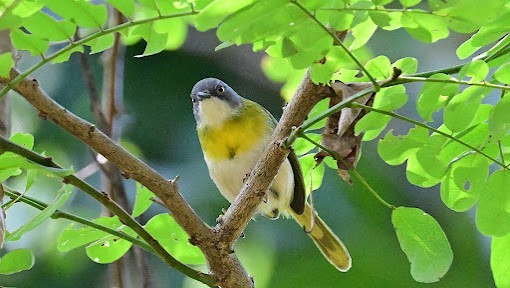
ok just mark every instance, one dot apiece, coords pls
pixel 158 122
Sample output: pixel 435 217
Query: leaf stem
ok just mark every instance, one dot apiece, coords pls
pixel 360 177
pixel 339 43
pixel 406 119
pixel 407 79
pixel 84 40
pixel 15 195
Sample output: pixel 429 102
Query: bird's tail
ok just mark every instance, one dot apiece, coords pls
pixel 328 243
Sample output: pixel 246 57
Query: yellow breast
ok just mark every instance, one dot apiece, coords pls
pixel 237 134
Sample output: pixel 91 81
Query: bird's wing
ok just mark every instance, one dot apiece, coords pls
pixel 299 198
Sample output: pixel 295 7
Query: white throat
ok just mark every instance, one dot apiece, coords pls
pixel 214 111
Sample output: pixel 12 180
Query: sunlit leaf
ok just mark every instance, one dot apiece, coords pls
pixel 29 42
pixel 64 57
pixel 434 95
pixel 500 260
pixel 63 195
pixel 6 64
pixel 83 13
pixel 379 67
pixel 499 118
pixel 492 213
pixel 407 65
pixel 47 27
pixel 156 42
pixel 143 200
pixel 126 7
pixel 503 73
pixel 16 261
pixel 394 150
pixel 459 112
pixel 107 249
pixel 311 172
pixel 425 27
pixel 464 181
pixel 174 239
pixel 101 43
pixel 212 15
pixel 302 146
pixel 477 70
pixel 73 237
pixel 424 243
pixel 425 168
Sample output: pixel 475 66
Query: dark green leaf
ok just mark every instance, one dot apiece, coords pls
pixel 492 214
pixel 424 243
pixel 174 239
pixel 16 261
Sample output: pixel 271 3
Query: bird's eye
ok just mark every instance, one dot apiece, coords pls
pixel 194 100
pixel 220 89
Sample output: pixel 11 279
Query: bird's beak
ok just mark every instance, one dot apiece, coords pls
pixel 203 95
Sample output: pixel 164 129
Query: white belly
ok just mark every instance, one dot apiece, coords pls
pixel 229 176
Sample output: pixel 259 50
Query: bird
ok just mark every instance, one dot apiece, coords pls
pixel 233 132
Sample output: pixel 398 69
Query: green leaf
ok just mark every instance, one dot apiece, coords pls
pixel 390 98
pixel 385 20
pixel 319 108
pixel 126 7
pixel 462 184
pixel 425 168
pixel 101 43
pixel 407 65
pixel 174 239
pixel 362 33
pixel 499 119
pixel 379 67
pixel 143 200
pixel 64 57
pixel 500 260
pixel 212 15
pixel 340 20
pixel 72 237
pixel 63 195
pixel 476 69
pixel 394 150
pixel 83 13
pixel 410 3
pixel 503 73
pixel 175 29
pixel 424 243
pixel 311 172
pixel 156 42
pixel 466 49
pixel 16 261
pixel 302 146
pixel 29 42
pixel 48 28
pixel 461 109
pixel 433 95
pixel 372 124
pixel 425 27
pixel 108 249
pixel 6 64
pixel 492 213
